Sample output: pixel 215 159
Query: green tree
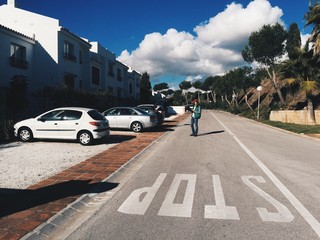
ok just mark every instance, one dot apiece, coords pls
pixel 160 86
pixel 266 46
pixel 145 88
pixel 185 85
pixel 304 71
pixel 293 45
pixel 221 87
pixel 208 82
pixel 242 79
pixel 178 98
pixel 312 17
pixel 197 84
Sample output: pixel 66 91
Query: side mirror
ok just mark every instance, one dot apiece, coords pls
pixel 41 119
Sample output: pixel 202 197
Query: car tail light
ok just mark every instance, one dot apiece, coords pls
pixel 97 124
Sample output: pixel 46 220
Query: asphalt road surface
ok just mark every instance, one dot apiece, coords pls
pixel 237 180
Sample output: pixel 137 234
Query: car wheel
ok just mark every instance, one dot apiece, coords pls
pixel 25 134
pixel 85 138
pixel 136 127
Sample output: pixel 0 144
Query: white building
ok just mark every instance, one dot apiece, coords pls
pixel 16 60
pixel 58 57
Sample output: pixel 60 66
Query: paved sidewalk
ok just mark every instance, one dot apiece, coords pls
pixel 21 211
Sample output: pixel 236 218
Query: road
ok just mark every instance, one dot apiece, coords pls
pixel 237 180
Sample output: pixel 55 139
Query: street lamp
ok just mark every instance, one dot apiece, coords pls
pixel 259 88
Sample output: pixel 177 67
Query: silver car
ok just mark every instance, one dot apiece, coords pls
pixel 82 124
pixel 130 118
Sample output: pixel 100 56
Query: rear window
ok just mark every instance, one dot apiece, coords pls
pixel 94 114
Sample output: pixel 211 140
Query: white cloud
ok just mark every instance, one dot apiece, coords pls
pixel 194 78
pixel 235 23
pixel 304 39
pixel 214 49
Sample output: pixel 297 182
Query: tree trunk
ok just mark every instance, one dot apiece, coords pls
pixel 234 98
pixel 214 99
pixel 311 119
pixel 275 84
pixel 227 100
pixel 245 98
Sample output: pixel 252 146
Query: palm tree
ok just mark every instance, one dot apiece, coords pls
pixel 305 72
pixel 313 18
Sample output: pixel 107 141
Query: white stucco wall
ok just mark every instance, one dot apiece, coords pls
pixel 44 28
pixel 80 69
pixel 297 117
pixel 49 64
pixel 105 55
pixel 6 38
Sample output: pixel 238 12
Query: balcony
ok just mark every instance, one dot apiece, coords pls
pixel 70 57
pixel 18 63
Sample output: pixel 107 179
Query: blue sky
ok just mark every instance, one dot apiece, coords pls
pixel 172 40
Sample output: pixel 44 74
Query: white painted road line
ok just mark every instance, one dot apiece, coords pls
pixel 315 225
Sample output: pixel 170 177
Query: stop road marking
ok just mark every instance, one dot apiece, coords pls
pixel 140 199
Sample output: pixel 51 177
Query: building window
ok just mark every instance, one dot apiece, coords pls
pixel 18 56
pixel 130 88
pixel 110 69
pixel 68 51
pixel 95 75
pixel 119 75
pixel 80 57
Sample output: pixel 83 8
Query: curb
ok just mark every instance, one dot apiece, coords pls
pixel 88 204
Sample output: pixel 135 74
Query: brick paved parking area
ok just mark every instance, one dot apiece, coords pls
pixel 23 210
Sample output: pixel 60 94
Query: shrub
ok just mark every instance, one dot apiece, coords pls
pixel 6 131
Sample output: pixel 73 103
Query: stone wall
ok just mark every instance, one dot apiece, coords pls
pixel 297 117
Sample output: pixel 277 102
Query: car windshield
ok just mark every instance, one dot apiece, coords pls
pixel 94 114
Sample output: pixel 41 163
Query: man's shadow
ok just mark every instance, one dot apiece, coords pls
pixel 213 132
pixel 16 200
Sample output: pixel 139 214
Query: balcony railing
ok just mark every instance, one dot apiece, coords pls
pixel 70 57
pixel 18 63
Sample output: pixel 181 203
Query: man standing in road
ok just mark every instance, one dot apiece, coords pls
pixel 196 114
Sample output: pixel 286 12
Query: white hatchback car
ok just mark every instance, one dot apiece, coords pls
pixel 82 124
pixel 130 118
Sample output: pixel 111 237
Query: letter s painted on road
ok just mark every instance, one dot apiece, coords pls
pixel 283 214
